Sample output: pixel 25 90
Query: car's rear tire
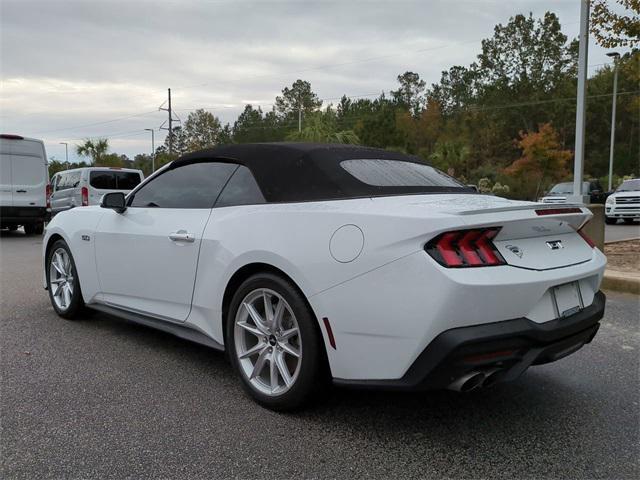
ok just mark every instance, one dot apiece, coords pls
pixel 628 220
pixel 276 352
pixel 29 228
pixel 610 220
pixel 62 281
pixel 38 228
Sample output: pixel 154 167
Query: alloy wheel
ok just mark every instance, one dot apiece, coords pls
pixel 268 343
pixel 61 278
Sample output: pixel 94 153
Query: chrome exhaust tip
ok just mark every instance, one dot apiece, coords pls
pixel 492 376
pixel 467 382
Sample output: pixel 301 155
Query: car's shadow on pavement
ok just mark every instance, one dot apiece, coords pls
pixel 496 407
pixel 5 233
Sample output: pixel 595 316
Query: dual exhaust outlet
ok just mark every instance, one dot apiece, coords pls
pixel 472 380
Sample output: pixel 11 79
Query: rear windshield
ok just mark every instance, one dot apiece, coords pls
pixel 114 180
pixel 394 173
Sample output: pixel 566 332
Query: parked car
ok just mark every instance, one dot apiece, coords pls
pixel 560 191
pixel 624 202
pixel 306 260
pixel 86 186
pixel 24 184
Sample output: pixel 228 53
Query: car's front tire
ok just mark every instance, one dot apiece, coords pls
pixel 274 343
pixel 610 220
pixel 62 281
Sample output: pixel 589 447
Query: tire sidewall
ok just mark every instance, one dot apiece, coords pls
pixel 76 296
pixel 309 375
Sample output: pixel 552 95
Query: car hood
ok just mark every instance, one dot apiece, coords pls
pixel 633 193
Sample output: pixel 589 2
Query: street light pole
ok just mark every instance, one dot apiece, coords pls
pixel 578 166
pixel 615 56
pixel 66 151
pixel 153 150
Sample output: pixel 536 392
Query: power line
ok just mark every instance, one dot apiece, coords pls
pixel 97 123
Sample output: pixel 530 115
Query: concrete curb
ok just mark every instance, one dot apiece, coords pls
pixel 621 281
pixel 622 240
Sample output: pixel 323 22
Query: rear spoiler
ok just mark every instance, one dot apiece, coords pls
pixel 570 207
pixel 574 214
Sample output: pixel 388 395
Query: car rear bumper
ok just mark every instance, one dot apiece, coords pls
pixel 382 321
pixel 22 215
pixel 509 347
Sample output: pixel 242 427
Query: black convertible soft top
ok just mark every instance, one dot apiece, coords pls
pixel 297 172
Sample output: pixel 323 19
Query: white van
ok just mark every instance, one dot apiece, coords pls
pixel 80 187
pixel 24 184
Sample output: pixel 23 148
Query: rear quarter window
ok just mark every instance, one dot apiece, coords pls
pixel 241 189
pixel 395 173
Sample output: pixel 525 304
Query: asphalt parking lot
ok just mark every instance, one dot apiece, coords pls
pixel 101 398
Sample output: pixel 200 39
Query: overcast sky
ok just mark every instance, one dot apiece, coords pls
pixel 76 69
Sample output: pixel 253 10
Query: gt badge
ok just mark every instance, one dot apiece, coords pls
pixel 515 250
pixel 555 244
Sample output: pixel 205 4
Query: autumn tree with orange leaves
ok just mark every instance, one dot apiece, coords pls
pixel 543 160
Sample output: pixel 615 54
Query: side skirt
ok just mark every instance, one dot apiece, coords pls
pixel 183 331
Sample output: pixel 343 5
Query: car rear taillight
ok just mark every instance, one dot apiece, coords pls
pixel 466 248
pixel 586 238
pixel 85 196
pixel 558 211
pixel 47 192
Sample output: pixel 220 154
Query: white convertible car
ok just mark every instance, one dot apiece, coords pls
pixel 308 262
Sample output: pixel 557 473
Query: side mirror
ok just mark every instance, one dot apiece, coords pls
pixel 115 201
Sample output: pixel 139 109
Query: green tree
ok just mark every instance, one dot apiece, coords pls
pixel 250 126
pixel 111 160
pixel 179 143
pixel 95 149
pixel 298 97
pixel 613 29
pixel 225 136
pixel 143 161
pixel 56 166
pixel 452 157
pixel 202 130
pixel 410 94
pixel 321 127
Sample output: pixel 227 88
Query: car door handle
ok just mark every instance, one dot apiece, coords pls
pixel 21 191
pixel 182 236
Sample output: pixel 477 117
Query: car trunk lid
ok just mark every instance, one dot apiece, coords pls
pixel 532 235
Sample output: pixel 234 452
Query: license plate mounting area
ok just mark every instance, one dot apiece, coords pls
pixel 567 299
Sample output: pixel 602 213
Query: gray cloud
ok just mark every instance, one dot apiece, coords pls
pixel 71 63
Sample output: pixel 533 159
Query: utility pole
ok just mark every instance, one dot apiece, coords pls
pixel 583 53
pixel 66 152
pixel 170 124
pixel 615 56
pixel 299 115
pixel 170 121
pixel 153 150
